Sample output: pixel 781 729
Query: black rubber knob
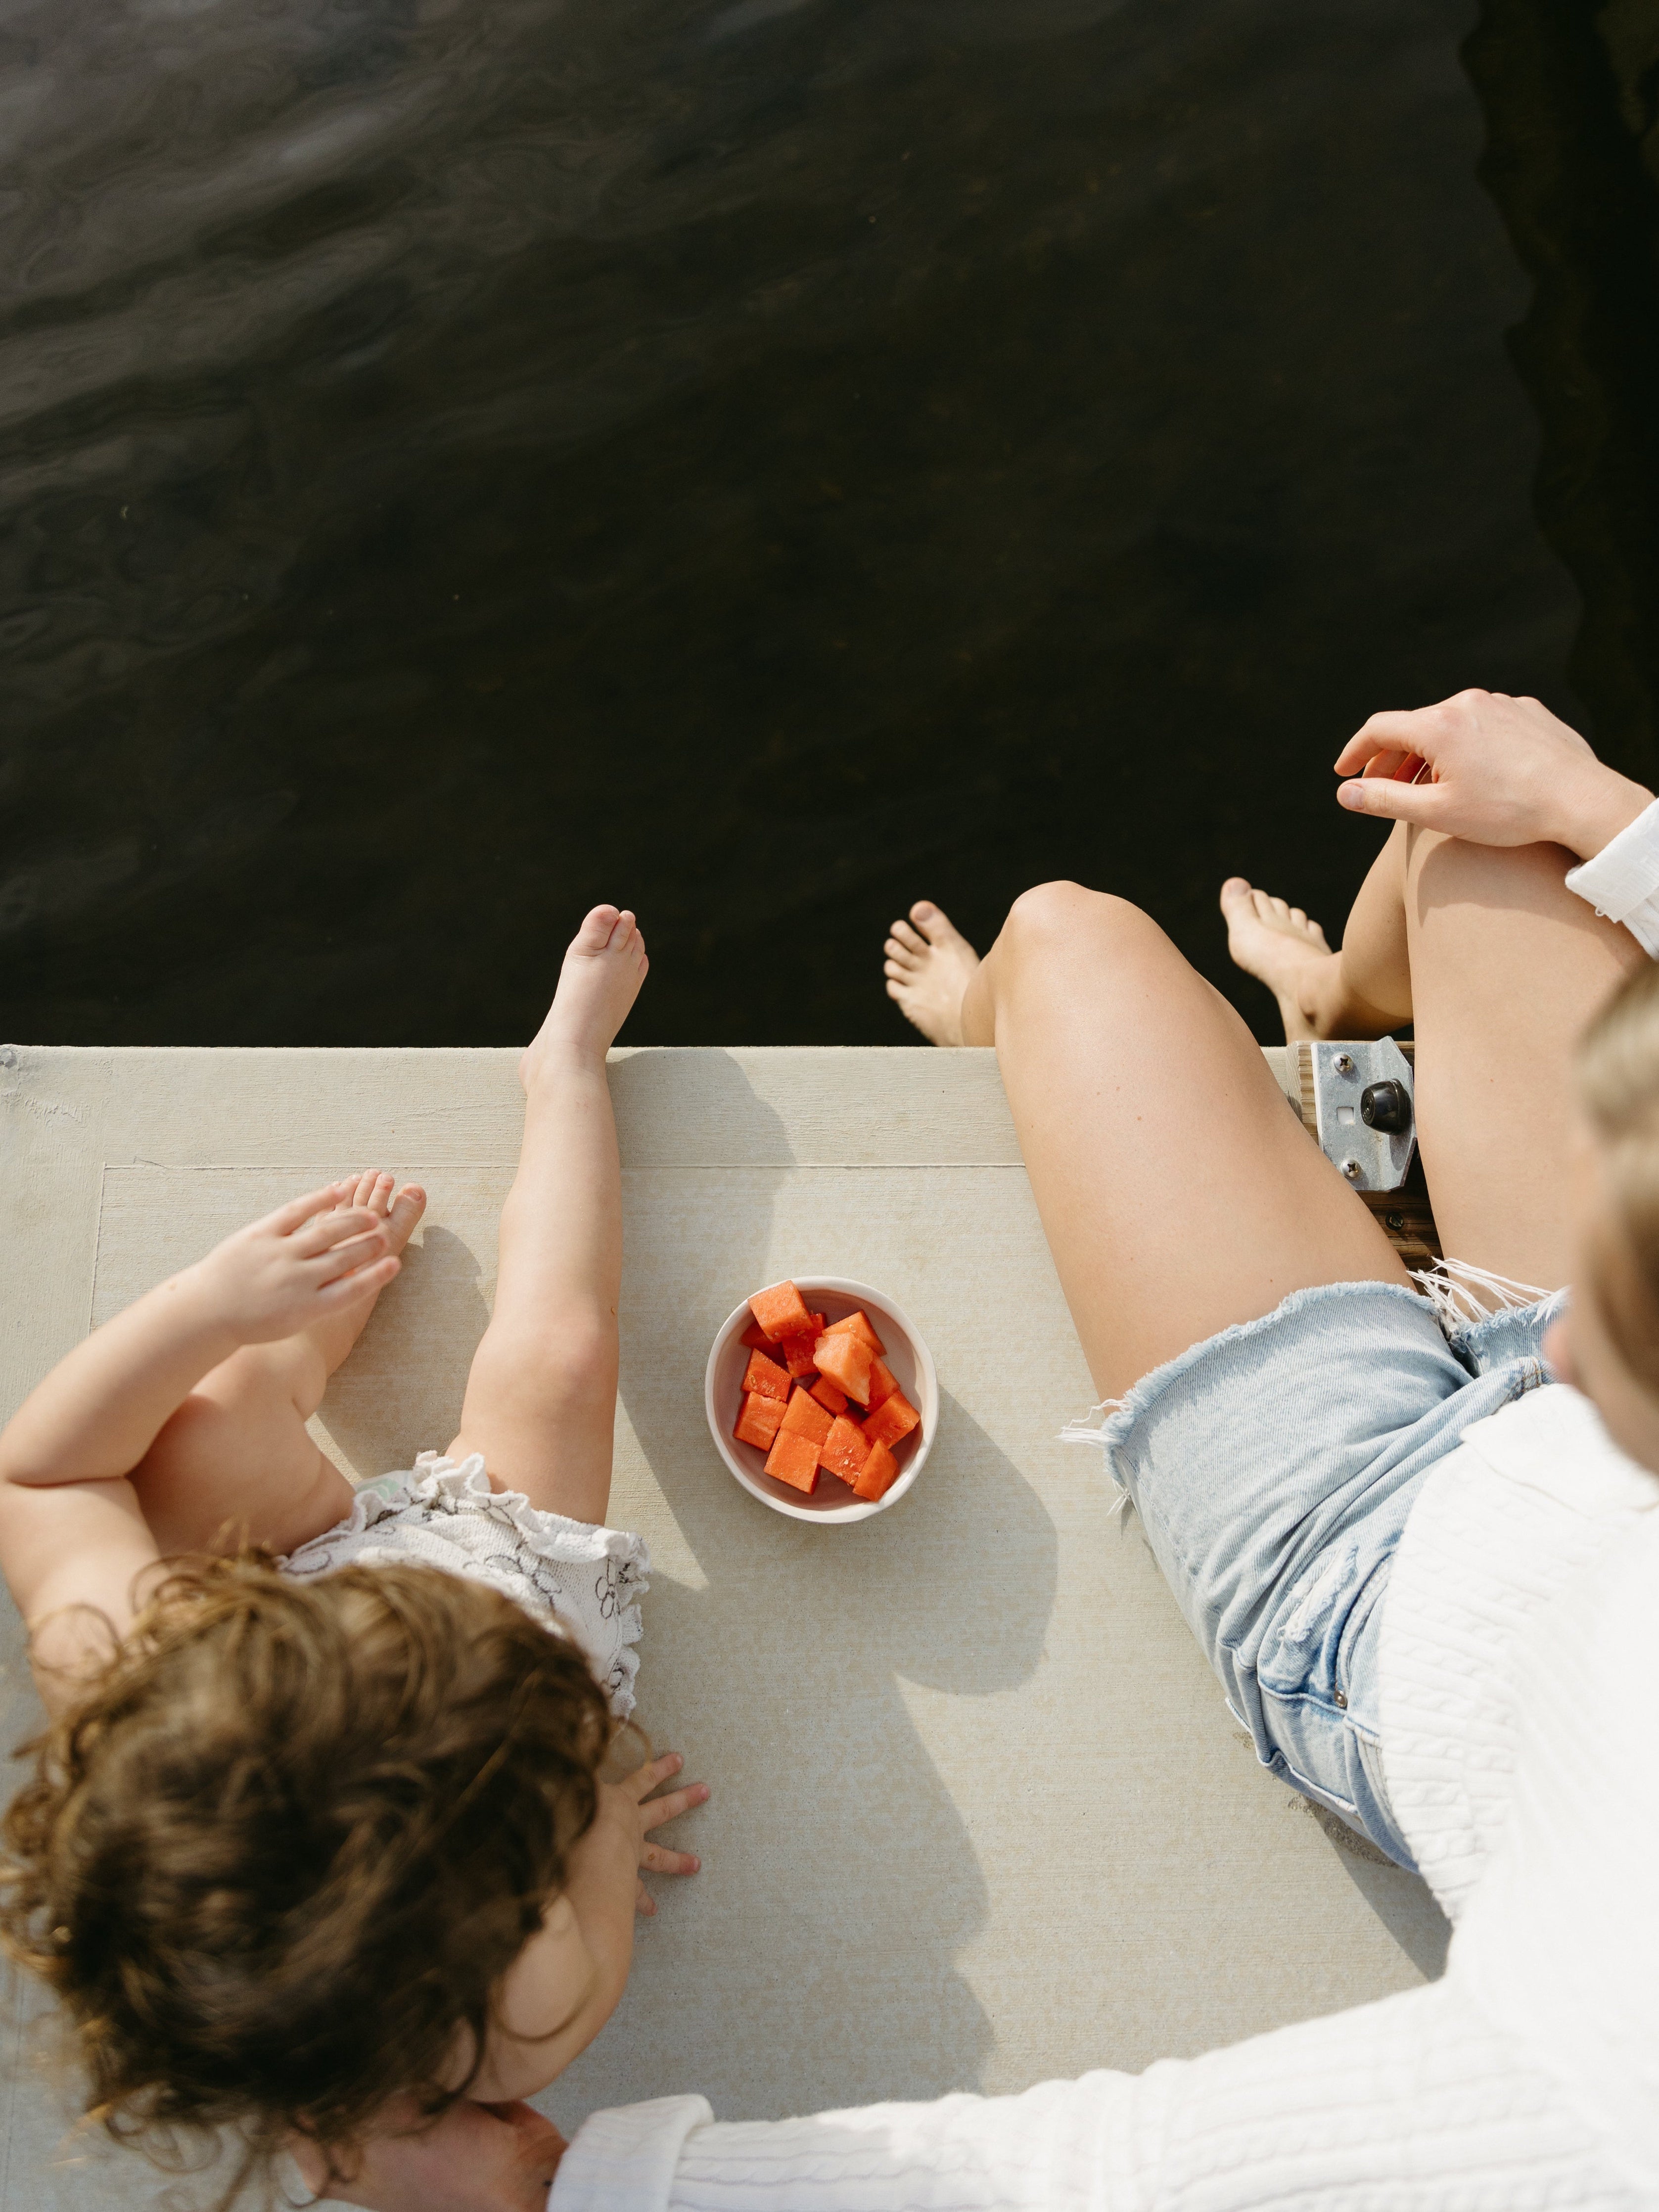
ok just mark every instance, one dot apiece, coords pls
pixel 1386 1106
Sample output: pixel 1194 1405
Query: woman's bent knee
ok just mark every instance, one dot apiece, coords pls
pixel 1057 918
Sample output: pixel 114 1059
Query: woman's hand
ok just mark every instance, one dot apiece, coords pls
pixel 475 2158
pixel 1494 771
pixel 307 1260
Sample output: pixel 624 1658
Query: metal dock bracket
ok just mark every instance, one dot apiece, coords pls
pixel 1358 1099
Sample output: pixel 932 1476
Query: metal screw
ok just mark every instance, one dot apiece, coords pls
pixel 1351 1168
pixel 1395 1221
pixel 1344 1063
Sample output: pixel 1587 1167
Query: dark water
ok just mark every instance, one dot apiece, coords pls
pixel 762 460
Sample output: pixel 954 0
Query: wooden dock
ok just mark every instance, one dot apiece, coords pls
pixel 981 1816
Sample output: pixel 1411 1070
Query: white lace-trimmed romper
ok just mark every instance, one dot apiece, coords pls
pixel 573 1578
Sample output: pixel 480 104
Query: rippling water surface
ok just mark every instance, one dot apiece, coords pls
pixel 758 459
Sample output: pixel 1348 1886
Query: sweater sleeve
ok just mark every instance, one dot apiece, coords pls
pixel 1411 2105
pixel 1621 882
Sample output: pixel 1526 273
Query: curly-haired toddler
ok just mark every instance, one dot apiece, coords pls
pixel 315 1841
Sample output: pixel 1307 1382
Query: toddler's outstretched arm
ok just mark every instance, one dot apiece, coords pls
pixel 72 1531
pixel 541 1398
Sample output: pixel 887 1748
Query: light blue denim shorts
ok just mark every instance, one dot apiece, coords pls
pixel 1273 1467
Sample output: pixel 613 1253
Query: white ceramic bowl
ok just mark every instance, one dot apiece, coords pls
pixel 835 1296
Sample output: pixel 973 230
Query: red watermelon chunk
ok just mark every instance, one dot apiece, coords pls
pixel 806 1417
pixel 882 1383
pixel 833 1400
pixel 846 1360
pixel 844 1450
pixel 759 1421
pixel 879 1474
pixel 797 1350
pixel 755 1338
pixel 782 1311
pixel 894 1418
pixel 857 1324
pixel 766 1376
pixel 793 1459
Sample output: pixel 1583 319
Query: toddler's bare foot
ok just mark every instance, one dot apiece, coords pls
pixel 398 1212
pixel 1278 944
pixel 928 968
pixel 603 970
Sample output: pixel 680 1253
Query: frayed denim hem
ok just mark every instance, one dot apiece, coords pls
pixel 1119 1415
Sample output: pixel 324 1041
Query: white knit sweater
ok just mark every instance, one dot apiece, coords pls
pixel 1520 1665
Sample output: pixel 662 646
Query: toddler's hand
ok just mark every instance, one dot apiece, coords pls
pixel 1500 771
pixel 308 1260
pixel 629 1805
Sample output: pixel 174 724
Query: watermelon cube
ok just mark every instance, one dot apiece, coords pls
pixel 882 1383
pixel 834 1400
pixel 879 1474
pixel 844 1450
pixel 765 1376
pixel 894 1418
pixel 806 1417
pixel 797 1350
pixel 780 1311
pixel 759 1421
pixel 846 1361
pixel 856 1324
pixel 793 1459
pixel 755 1338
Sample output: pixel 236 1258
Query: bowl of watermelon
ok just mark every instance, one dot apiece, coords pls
pixel 822 1399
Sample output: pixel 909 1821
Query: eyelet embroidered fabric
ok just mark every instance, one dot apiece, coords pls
pixel 576 1579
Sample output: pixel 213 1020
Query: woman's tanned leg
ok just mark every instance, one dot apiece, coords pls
pixel 1497 966
pixel 1362 990
pixel 1178 1191
pixel 1507 966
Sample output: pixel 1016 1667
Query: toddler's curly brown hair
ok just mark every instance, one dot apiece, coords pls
pixel 278 1855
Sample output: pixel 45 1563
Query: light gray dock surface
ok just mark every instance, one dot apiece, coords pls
pixel 981 1816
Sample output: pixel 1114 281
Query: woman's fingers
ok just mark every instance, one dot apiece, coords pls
pixel 1381 746
pixel 644 1902
pixel 655 1860
pixel 1421 803
pixel 659 1810
pixel 1385 765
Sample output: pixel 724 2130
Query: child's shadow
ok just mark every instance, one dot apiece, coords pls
pixel 817 1959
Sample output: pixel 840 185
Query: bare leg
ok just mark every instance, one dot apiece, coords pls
pixel 1507 967
pixel 541 1398
pixel 929 964
pixel 1364 990
pixel 1178 1192
pixel 236 1462
pixel 1497 966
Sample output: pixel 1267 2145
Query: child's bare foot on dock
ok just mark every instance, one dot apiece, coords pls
pixel 603 970
pixel 928 968
pixel 396 1211
pixel 1277 944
